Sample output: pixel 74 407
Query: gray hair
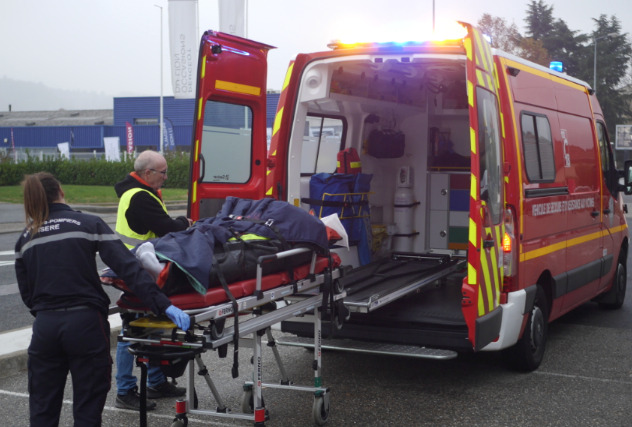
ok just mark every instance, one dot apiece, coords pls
pixel 145 160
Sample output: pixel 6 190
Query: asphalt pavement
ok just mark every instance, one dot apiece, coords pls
pixel 584 380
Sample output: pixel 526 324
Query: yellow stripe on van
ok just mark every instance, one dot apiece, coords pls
pixel 473 232
pixel 467 44
pixel 470 93
pixel 473 140
pixel 194 195
pixel 288 75
pixel 238 88
pixel 495 274
pixel 481 303
pixel 502 123
pixel 482 52
pixel 471 274
pixel 203 67
pixel 473 188
pixel 490 83
pixel 268 172
pixel 479 78
pixel 269 192
pixel 553 78
pixel 200 109
pixel 197 149
pixel 277 122
pixel 488 282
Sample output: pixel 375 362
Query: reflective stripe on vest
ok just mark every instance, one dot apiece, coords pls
pixel 128 236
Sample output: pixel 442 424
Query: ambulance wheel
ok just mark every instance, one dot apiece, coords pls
pixel 528 352
pixel 321 413
pixel 617 293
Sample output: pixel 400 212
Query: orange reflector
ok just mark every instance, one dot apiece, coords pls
pixel 506 243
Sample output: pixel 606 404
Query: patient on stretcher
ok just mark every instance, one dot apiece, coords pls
pixel 227 246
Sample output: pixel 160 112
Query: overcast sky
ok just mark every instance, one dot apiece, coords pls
pixel 113 46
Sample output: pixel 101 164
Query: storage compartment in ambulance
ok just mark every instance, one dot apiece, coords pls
pixel 396 128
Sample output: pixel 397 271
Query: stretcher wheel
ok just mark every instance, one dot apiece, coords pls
pixel 248 402
pixel 179 423
pixel 321 411
pixel 217 328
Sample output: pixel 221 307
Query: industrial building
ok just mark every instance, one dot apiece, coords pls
pixel 41 131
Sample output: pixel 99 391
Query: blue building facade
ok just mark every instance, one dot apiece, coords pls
pixel 142 113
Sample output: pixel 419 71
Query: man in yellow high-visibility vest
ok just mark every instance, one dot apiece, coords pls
pixel 142 215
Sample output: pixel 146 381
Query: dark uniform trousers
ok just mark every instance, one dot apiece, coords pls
pixel 76 340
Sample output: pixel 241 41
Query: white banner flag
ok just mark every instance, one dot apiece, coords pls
pixel 184 45
pixel 64 149
pixel 112 146
pixel 232 17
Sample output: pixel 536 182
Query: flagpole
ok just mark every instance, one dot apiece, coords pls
pixel 161 72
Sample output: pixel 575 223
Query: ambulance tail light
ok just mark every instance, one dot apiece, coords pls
pixel 510 251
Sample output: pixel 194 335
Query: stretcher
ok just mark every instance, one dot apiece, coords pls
pixel 314 289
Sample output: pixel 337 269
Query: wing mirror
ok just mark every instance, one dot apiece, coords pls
pixel 627 178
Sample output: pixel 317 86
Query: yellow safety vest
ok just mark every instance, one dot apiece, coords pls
pixel 128 236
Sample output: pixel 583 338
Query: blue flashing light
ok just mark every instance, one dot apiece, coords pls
pixel 556 66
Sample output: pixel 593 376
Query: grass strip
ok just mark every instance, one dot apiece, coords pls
pixel 88 194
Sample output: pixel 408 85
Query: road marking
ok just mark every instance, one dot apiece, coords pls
pixel 5 263
pixel 580 377
pixel 128 411
pixel 6 253
pixel 9 289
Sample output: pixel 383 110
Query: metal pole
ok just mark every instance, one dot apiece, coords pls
pixel 161 72
pixel 433 16
pixel 595 68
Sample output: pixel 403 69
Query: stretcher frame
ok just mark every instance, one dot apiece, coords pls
pixel 307 298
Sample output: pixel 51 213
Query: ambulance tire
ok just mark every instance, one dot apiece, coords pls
pixel 527 354
pixel 619 282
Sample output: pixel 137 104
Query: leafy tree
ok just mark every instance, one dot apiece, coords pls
pixel 614 58
pixel 534 51
pixel 504 37
pixel 540 22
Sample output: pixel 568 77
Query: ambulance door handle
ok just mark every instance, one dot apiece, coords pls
pixel 595 213
pixel 202 168
pixel 606 211
pixel 488 243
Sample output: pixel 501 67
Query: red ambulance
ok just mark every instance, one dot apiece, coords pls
pixel 517 216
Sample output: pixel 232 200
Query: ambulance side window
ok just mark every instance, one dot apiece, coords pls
pixel 537 145
pixel 607 163
pixel 323 138
pixel 489 152
pixel 227 142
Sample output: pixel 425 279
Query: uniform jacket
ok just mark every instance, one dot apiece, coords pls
pixel 145 213
pixel 57 267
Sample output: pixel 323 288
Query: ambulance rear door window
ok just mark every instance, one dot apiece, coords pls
pixel 323 138
pixel 537 145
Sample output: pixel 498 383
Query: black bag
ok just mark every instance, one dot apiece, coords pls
pixel 386 144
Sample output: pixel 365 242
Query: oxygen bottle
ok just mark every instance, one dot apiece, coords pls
pixel 403 214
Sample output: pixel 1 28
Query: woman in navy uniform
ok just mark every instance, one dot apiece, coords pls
pixel 58 281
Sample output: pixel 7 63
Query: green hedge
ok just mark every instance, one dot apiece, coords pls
pixel 90 172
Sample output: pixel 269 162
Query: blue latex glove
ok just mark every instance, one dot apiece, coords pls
pixel 178 317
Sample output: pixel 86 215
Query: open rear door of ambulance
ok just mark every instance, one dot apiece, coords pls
pixel 481 287
pixel 228 152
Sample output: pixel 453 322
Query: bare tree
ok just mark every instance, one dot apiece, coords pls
pixel 505 37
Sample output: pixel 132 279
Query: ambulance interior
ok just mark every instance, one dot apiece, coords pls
pixel 424 97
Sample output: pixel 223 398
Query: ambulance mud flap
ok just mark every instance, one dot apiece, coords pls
pixel 488 327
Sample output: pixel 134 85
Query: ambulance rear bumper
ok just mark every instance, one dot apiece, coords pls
pixel 513 314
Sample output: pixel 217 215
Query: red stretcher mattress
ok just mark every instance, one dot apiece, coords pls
pixel 241 289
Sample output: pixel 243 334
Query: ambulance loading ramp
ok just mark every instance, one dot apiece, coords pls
pixel 384 281
pixel 370 347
